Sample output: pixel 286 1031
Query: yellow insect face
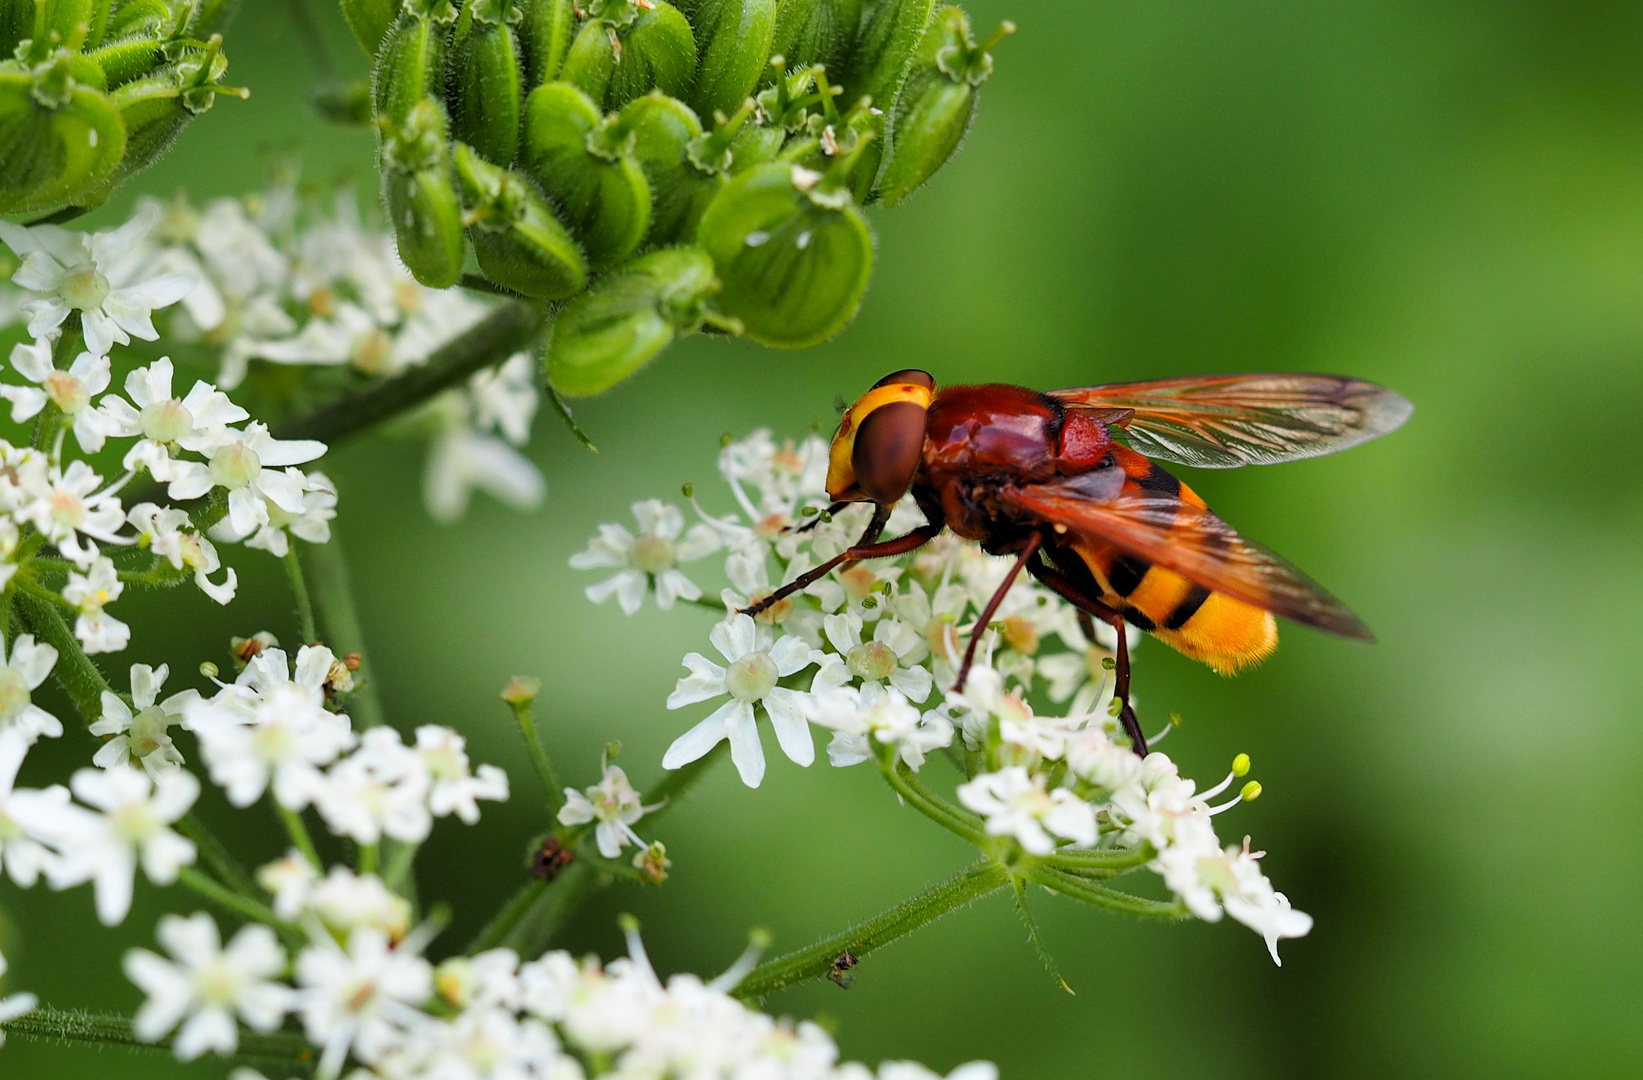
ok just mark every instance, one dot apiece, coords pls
pixel 880 440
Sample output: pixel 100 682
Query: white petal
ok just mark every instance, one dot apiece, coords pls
pixel 734 637
pixel 745 750
pixel 792 730
pixel 696 742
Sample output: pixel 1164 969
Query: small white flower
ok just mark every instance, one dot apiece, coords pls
pixel 362 999
pixel 14 1005
pixel 205 986
pixel 650 558
pixel 349 336
pixel 142 736
pixel 381 789
pixel 270 728
pixel 131 822
pixel 20 674
pixel 248 467
pixel 346 901
pixel 487 979
pixel 755 666
pixel 70 271
pixel 312 523
pixel 168 533
pixel 453 788
pixel 872 711
pixel 199 422
pixel 505 397
pixel 891 657
pixel 291 882
pixel 67 504
pixel 463 460
pixel 1015 803
pixel 98 631
pixel 614 804
pixel 21 852
pixel 912 1070
pixel 71 391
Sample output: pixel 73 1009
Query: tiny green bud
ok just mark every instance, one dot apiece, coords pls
pixel 1240 765
pixel 810 511
pixel 725 439
pixel 688 491
pixel 421 198
pixel 1250 791
pixel 664 132
pixel 612 748
pixel 208 669
pixel 522 690
pixel 1109 663
pixel 410 65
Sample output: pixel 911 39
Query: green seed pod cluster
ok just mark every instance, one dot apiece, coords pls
pixel 661 167
pixel 94 91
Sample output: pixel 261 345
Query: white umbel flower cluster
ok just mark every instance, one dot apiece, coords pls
pixel 862 652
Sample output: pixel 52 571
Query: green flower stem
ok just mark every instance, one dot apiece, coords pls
pixel 1101 896
pixel 335 597
pixel 217 857
pixel 542 909
pixel 927 802
pixel 369 856
pixel 75 672
pixel 299 592
pixel 522 715
pixel 506 330
pixel 966 887
pixel 281 1051
pixel 563 410
pixel 297 829
pixel 244 907
pixel 400 862
pixel 1125 859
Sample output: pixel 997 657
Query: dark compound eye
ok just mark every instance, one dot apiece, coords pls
pixel 907 375
pixel 888 445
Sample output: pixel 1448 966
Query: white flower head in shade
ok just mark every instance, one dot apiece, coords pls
pixel 861 716
pixel 14 1005
pixel 71 271
pixel 346 901
pixel 198 422
pixel 21 853
pixel 205 987
pixel 755 665
pixel 21 673
pixel 453 787
pixel 290 881
pixel 891 657
pixel 1015 803
pixel 270 728
pixel 71 391
pixel 614 804
pixel 362 998
pixel 381 789
pixel 648 559
pixel 142 736
pixel 169 533
pixel 129 821
pixel 505 398
pixel 98 631
pixel 462 461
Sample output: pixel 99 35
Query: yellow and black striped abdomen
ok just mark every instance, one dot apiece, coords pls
pixel 1211 627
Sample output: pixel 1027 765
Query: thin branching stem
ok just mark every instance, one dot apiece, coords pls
pixel 334 593
pixel 279 1051
pixel 299 594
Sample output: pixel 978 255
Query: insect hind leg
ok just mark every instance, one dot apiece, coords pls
pixel 1075 594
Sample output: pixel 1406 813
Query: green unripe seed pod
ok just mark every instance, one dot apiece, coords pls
pixel 130 58
pixel 685 166
pixel 632 314
pixel 585 164
pixel 64 17
pixel 411 64
pixel 793 253
pixel 370 20
pixel 886 39
pixel 60 142
pixel 421 197
pixel 591 60
pixel 138 17
pixel 484 80
pixel 545 35
pixel 519 243
pixel 937 103
pixel 814 32
pixel 658 52
pixel 755 144
pixel 733 41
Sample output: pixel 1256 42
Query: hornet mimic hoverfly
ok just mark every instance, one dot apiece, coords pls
pixel 1065 482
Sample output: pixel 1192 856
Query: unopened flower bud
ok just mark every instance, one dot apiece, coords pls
pixel 522 690
pixel 420 194
pixel 658 52
pixel 545 33
pixel 585 166
pixel 652 863
pixel 519 242
pixel 410 65
pixel 733 41
pixel 484 81
pixel 245 649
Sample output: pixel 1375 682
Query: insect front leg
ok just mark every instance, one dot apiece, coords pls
pixel 1033 544
pixel 1075 594
pixel 863 549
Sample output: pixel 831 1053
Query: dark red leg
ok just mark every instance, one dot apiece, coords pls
pixel 1033 544
pixel 864 549
pixel 1076 595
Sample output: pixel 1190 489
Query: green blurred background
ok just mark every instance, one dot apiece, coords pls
pixel 1443 196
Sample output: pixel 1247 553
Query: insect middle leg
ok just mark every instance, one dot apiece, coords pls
pixel 863 549
pixel 1033 544
pixel 1073 592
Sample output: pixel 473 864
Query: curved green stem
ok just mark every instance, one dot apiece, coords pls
pixel 229 900
pixel 334 597
pixel 1101 896
pixel 299 591
pixel 1123 859
pixel 297 830
pixel 959 822
pixel 510 327
pixel 75 672
pixel 279 1050
pixel 963 888
pixel 522 715
pixel 217 857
